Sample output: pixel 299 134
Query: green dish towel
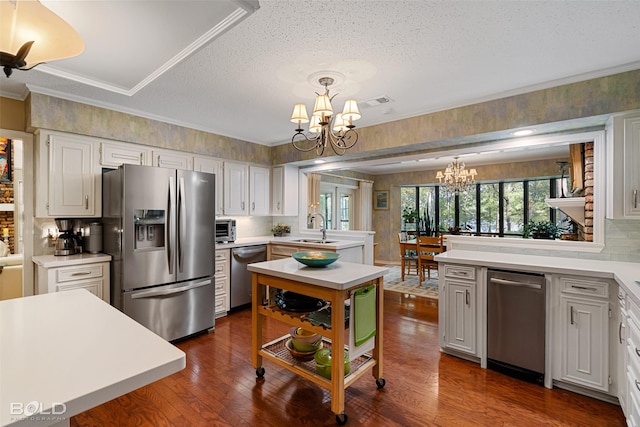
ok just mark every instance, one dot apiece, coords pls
pixel 364 314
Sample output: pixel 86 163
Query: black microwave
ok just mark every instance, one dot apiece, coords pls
pixel 225 230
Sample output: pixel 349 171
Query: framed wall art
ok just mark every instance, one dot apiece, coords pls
pixel 5 160
pixel 381 200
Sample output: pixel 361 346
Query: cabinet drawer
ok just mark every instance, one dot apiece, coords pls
pixel 283 250
pixel 589 287
pixel 93 286
pixel 460 272
pixel 222 255
pixel 220 307
pixel 221 288
pixel 221 269
pixel 80 272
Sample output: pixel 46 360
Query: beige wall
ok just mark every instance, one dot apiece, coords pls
pixel 12 114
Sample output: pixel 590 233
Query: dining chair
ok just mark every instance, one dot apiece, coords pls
pixel 408 255
pixel 428 248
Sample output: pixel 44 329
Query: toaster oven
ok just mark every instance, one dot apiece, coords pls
pixel 225 230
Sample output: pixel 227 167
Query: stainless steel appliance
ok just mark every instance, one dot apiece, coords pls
pixel 67 243
pixel 240 276
pixel 516 324
pixel 225 230
pixel 159 229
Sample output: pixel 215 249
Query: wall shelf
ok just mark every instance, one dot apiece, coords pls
pixel 573 207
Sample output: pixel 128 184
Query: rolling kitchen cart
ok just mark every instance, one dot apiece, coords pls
pixel 333 283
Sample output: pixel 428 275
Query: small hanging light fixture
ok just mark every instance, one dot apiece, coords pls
pixel 341 137
pixel 31 34
pixel 456 178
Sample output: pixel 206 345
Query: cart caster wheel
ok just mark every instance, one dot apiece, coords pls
pixel 380 382
pixel 260 372
pixel 342 418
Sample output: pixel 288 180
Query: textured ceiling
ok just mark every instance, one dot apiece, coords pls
pixel 423 55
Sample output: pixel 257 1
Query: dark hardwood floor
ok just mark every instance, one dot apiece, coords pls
pixel 423 386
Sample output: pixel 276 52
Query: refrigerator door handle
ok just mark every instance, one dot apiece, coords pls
pixel 170 225
pixel 182 223
pixel 153 293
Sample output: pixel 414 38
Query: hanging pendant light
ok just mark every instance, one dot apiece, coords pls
pixel 31 34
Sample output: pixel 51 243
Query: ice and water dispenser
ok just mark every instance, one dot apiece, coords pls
pixel 149 228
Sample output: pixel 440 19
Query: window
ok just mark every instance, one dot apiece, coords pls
pixel 493 208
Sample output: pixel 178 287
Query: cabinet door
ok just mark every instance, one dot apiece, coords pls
pixel 585 342
pixel 460 316
pixel 632 167
pixel 214 166
pixel 623 173
pixel 259 191
pixel 284 191
pixel 72 190
pixel 172 160
pixel 236 178
pixel 114 155
pixel 94 286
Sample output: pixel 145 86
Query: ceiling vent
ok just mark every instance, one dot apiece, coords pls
pixel 375 102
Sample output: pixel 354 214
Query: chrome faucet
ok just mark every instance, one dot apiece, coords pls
pixel 323 229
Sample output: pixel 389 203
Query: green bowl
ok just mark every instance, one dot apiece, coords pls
pixel 316 258
pixel 305 346
pixel 323 363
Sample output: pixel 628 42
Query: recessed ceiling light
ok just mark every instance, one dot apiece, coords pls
pixel 523 132
pixel 318 161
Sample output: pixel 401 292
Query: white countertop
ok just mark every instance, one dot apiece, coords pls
pixel 339 275
pixel 49 261
pixel 626 274
pixel 71 348
pixel 336 244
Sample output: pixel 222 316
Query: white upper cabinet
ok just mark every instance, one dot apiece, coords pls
pixel 236 188
pixel 623 167
pixel 113 154
pixel 214 166
pixel 172 159
pixel 284 191
pixel 67 176
pixel 259 191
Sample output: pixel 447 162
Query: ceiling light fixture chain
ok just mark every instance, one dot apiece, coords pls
pixel 335 131
pixel 456 178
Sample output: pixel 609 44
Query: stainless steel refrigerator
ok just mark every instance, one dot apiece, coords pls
pixel 159 227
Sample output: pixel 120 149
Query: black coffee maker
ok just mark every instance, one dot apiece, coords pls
pixel 67 243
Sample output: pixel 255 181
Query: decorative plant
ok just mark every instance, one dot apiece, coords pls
pixel 409 214
pixel 280 229
pixel 542 230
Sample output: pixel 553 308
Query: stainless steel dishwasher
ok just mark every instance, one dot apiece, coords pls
pixel 516 324
pixel 240 276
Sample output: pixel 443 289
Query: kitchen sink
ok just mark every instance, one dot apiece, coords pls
pixel 313 241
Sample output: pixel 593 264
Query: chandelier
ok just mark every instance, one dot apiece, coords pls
pixel 456 178
pixel 340 137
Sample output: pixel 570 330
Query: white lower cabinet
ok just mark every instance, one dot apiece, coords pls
pixel 583 322
pixel 631 394
pixel 458 317
pixel 222 282
pixel 93 277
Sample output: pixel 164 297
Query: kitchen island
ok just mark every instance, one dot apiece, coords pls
pixel 333 283
pixel 63 353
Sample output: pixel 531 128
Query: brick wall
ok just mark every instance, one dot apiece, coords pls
pixel 6 196
pixel 586 232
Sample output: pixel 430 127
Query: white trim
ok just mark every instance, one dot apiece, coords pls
pixel 533 244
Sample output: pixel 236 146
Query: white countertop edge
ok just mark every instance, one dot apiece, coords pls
pixel 515 242
pixel 624 273
pixel 339 275
pixel 290 240
pixel 49 261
